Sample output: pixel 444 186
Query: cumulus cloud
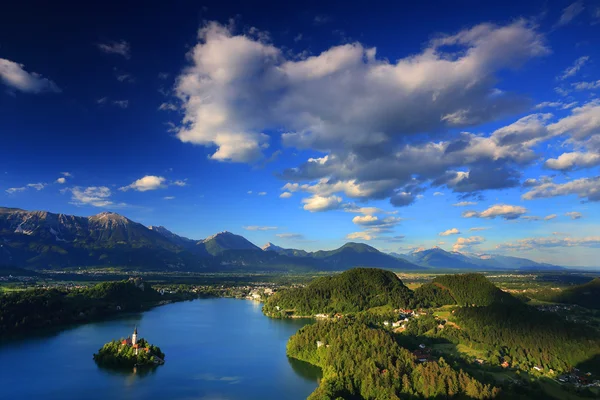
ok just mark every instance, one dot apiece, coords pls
pixel 574 215
pixel 318 203
pixel 15 77
pixel 372 221
pixel 549 217
pixel 449 232
pixel 584 188
pixel 122 48
pixel 169 198
pixel 438 194
pixel 97 196
pixel 15 190
pixel 285 195
pixel 148 182
pixel 572 70
pixel 505 211
pixel 463 243
pixel 360 236
pixel 61 180
pixel 355 107
pixel 259 228
pixel 573 160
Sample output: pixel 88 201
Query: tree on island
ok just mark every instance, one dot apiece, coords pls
pixel 130 352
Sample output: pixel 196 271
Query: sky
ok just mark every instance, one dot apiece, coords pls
pixel 473 126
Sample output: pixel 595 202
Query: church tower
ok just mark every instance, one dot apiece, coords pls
pixel 134 336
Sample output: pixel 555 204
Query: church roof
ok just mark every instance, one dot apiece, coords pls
pixel 135 330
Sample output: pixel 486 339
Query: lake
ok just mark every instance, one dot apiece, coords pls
pixel 215 349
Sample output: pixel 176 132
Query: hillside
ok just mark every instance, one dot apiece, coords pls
pixel 586 295
pixel 464 290
pixel 287 252
pixel 355 290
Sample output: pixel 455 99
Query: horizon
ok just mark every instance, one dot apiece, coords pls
pixel 400 128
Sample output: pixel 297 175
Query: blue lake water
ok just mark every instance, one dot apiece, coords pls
pixel 215 349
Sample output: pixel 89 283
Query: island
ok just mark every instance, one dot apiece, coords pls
pixel 129 353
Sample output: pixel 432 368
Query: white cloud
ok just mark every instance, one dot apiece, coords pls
pixel 545 242
pixel 121 47
pixel 262 193
pixel 465 204
pixel 572 70
pixel 555 104
pixel 37 186
pixel 14 76
pixel 97 196
pixel 168 107
pixel 479 228
pixel 574 215
pixel 121 103
pixel 290 236
pixel 449 232
pixel 587 85
pixel 360 235
pixel 169 198
pixel 549 217
pixel 318 203
pixel 236 88
pixel 498 210
pixel 180 183
pixel 249 192
pixel 148 182
pixel 61 180
pixel 570 12
pixel 285 195
pixel 438 194
pixel 584 188
pixel 67 174
pixel 15 190
pixel 574 160
pixel 467 242
pixel 259 228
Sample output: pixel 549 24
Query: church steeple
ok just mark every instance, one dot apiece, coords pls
pixel 134 336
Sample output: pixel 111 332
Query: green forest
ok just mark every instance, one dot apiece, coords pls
pixel 360 362
pixel 358 289
pixel 364 357
pixel 31 309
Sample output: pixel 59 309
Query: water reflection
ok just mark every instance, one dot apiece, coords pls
pixel 306 370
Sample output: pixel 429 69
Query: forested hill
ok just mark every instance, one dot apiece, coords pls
pixel 586 295
pixel 462 289
pixel 352 291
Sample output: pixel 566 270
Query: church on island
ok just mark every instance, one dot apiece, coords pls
pixel 133 342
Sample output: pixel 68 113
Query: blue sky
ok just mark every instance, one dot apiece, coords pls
pixel 475 128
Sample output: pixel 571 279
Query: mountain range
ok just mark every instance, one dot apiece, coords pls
pixel 44 240
pixel 437 257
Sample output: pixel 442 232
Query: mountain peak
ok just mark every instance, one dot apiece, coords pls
pixel 271 247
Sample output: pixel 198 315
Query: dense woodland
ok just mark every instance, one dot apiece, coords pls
pixel 360 362
pixel 362 358
pixel 39 308
pixel 525 337
pixel 586 295
pixel 352 291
